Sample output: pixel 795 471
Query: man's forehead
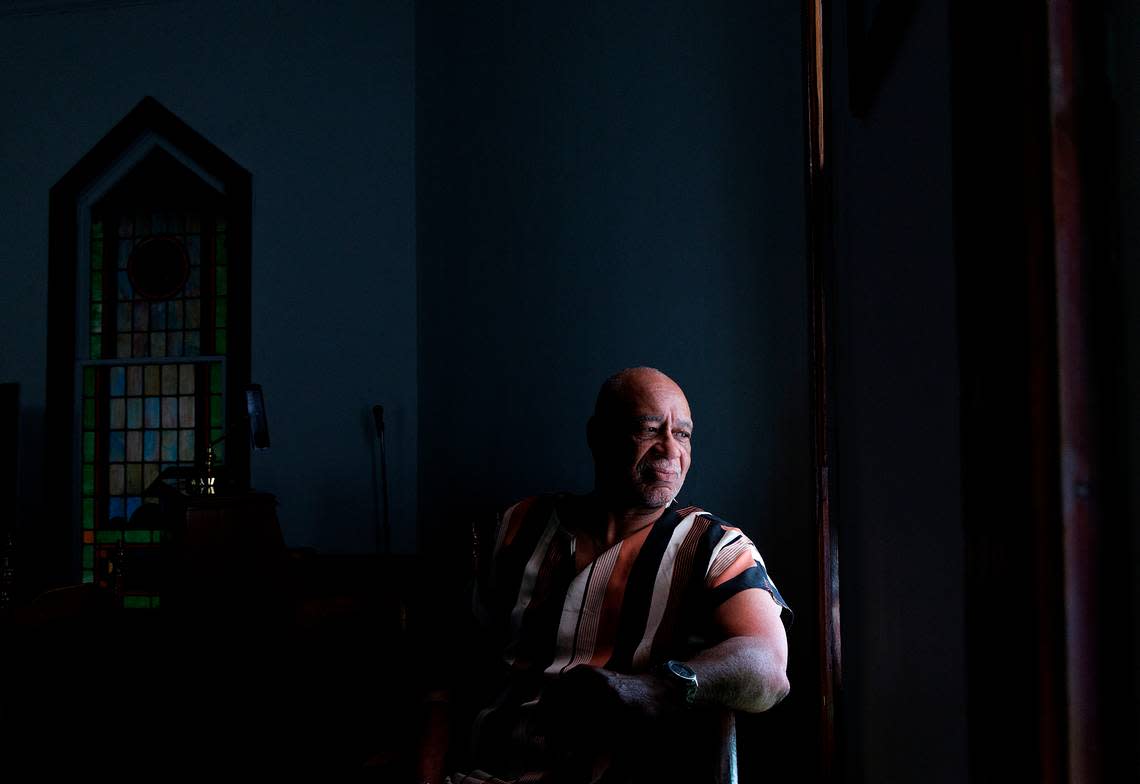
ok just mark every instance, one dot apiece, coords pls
pixel 656 399
pixel 642 391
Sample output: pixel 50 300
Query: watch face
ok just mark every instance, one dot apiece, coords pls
pixel 681 670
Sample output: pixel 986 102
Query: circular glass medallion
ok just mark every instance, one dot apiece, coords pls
pixel 158 267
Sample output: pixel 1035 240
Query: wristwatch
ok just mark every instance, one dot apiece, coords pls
pixel 681 680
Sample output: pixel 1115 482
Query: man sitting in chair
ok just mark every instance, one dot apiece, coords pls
pixel 624 626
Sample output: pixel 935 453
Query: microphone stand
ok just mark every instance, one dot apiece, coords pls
pixel 207 486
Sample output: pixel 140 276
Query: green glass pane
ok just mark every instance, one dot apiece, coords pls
pixel 138 537
pixel 220 281
pixel 220 225
pixel 154 602
pixel 88 447
pixel 97 288
pixel 89 382
pixel 89 414
pixel 97 229
pixel 216 378
pixel 220 312
pixel 88 480
pixel 96 347
pixel 215 411
pixel 97 255
pixel 88 576
pixel 136 602
pixel 107 537
pixel 88 513
pixel 96 319
pixel 88 557
pixel 220 342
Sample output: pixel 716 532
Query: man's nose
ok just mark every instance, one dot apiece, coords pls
pixel 668 445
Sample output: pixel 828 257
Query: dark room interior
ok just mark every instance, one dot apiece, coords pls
pixel 296 296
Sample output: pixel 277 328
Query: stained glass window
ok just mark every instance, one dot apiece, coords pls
pixel 153 380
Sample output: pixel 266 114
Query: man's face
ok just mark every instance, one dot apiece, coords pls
pixel 644 454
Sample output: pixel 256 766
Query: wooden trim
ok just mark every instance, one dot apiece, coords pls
pixel 820 265
pixel 1079 473
pixel 1011 517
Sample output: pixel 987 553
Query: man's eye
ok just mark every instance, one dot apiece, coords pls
pixel 683 435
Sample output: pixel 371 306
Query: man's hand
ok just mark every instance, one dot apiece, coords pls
pixel 588 708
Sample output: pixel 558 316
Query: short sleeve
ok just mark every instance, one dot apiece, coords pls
pixel 735 565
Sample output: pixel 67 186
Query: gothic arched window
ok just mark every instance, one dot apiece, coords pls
pixel 148 332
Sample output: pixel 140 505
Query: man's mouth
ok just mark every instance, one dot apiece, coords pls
pixel 661 473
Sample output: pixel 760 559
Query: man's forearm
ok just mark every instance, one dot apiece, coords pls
pixel 741 673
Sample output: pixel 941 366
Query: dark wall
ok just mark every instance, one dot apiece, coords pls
pixel 602 188
pixel 607 185
pixel 1119 344
pixel 1123 33
pixel 318 105
pixel 897 506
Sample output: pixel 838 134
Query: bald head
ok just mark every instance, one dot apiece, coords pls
pixel 640 435
pixel 615 392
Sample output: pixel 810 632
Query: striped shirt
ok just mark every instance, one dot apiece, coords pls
pixel 647 598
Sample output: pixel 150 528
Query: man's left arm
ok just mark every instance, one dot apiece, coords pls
pixel 747 671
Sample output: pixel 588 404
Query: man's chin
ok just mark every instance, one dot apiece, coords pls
pixel 658 497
